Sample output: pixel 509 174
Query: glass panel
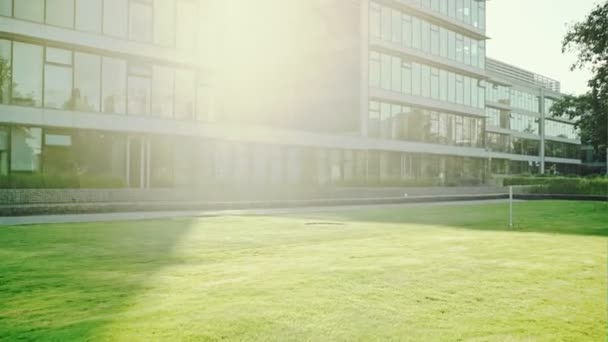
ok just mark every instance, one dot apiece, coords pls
pixel 164 22
pixel 396 74
pixel 87 82
pixel 374 69
pixel 27 74
pixel 385 20
pixel 140 22
pixel 385 73
pixel 184 94
pixel 60 13
pixel 30 10
pixel 57 86
pixel 5 71
pixel 26 148
pixel 139 95
pixel 6 8
pixel 115 15
pixel 186 25
pixel 88 15
pixel 59 56
pixel 416 79
pixel 162 92
pixel 204 103
pixel 114 85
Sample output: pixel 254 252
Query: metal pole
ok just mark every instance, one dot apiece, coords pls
pixel 542 131
pixel 511 206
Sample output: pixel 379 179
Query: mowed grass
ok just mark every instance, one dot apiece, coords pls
pixel 421 273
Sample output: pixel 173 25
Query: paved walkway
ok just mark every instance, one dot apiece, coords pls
pixel 135 216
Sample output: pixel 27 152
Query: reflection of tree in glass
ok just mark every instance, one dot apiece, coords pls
pixel 78 103
pixel 5 79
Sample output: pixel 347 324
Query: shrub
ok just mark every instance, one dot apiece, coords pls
pixel 562 185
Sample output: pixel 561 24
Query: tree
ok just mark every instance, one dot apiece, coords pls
pixel 589 40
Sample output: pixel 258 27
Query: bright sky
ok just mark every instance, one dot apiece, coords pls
pixel 528 34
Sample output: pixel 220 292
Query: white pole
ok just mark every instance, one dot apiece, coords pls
pixel 510 206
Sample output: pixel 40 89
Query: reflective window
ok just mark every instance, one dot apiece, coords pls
pixel 396 26
pixel 385 71
pixel 88 15
pixel 435 83
pixel 186 25
pixel 406 77
pixel 204 103
pixel 140 20
pixel 6 7
pixel 139 90
pixel 58 79
pixel 407 30
pixel 435 40
pixel 60 13
pixel 27 74
pixel 374 20
pixel 185 84
pixel 396 74
pixel 87 82
pixel 164 22
pixel 5 71
pixel 443 85
pixel 32 10
pixel 374 69
pixel 114 78
pixel 416 33
pixel 163 80
pixel 26 149
pixel 115 15
pixel 416 79
pixel 386 20
pixel 426 80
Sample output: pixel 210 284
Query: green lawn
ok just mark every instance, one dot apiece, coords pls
pixel 422 274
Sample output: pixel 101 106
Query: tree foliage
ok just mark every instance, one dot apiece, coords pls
pixel 589 40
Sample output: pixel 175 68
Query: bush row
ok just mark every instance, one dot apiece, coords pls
pixel 562 185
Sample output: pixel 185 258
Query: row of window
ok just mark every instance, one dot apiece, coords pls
pixel 392 121
pixel 529 124
pixel 400 75
pixel 498 94
pixel 72 80
pixel 505 143
pixel 393 26
pixel 104 155
pixel 560 130
pixel 516 98
pixel 472 12
pixel 524 100
pixel 147 21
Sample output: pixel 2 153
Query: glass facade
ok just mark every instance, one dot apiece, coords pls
pixel 393 121
pixel 405 76
pixel 393 26
pixel 144 21
pixel 81 81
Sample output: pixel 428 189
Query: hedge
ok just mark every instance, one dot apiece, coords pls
pixel 562 185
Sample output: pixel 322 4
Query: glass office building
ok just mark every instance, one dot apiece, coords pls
pixel 181 93
pixel 521 126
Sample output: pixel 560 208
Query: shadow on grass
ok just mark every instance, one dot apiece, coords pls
pixel 554 217
pixel 67 282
